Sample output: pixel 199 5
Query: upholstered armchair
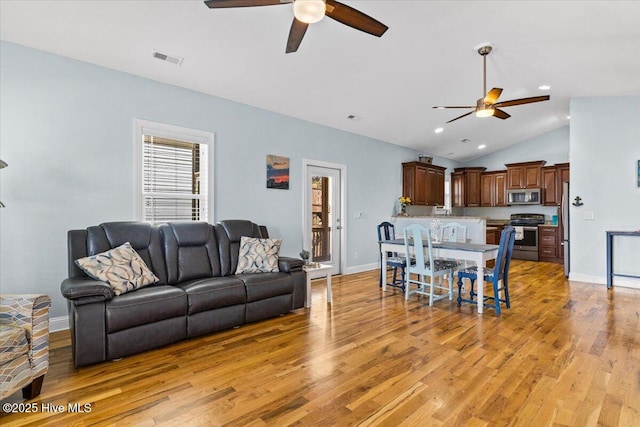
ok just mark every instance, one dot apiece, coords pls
pixel 24 343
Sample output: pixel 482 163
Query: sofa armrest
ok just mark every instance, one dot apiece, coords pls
pixel 31 313
pixel 77 288
pixel 289 265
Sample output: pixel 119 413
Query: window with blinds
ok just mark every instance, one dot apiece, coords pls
pixel 173 178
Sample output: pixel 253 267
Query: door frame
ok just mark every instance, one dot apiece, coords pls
pixel 306 207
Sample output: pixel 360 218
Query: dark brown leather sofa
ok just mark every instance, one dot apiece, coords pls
pixel 198 292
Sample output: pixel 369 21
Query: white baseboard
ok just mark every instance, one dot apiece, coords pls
pixel 58 323
pixel 624 282
pixel 360 268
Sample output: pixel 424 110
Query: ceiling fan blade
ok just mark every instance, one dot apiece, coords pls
pixel 298 28
pixel 354 18
pixel 443 107
pixel 217 4
pixel 459 117
pixel 522 101
pixel 493 95
pixel 501 114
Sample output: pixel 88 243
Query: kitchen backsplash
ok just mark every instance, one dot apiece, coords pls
pixel 505 212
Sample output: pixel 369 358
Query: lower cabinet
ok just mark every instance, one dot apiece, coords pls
pixel 548 244
pixel 493 238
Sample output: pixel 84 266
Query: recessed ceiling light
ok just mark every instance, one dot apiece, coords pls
pixel 438 130
pixel 480 147
pixel 568 117
pixel 544 87
pixel 465 140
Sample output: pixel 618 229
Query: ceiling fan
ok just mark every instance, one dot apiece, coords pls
pixel 487 105
pixel 308 12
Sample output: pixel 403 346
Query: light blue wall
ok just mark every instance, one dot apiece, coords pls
pixel 553 147
pixel 605 150
pixel 67 134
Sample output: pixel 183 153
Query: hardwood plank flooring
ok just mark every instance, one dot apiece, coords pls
pixel 565 354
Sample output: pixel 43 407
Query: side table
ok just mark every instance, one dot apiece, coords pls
pixel 610 273
pixel 315 270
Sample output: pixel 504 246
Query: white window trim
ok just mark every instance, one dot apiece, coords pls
pixel 142 127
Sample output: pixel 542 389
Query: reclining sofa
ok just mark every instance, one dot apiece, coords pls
pixel 197 291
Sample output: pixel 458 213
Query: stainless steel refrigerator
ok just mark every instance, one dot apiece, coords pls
pixel 564 221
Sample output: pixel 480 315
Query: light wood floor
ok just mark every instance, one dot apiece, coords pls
pixel 565 354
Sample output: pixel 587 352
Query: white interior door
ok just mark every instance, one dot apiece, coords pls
pixel 323 219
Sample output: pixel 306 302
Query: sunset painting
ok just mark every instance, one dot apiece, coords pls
pixel 277 172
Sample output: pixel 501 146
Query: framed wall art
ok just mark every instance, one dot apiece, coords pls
pixel 277 172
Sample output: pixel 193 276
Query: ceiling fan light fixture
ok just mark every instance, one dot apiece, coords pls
pixel 485 112
pixel 309 11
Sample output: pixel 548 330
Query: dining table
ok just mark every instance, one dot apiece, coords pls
pixel 472 252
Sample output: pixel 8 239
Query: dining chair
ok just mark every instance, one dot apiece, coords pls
pixel 422 264
pixel 453 232
pixel 499 273
pixel 386 231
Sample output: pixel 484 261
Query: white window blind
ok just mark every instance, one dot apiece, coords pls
pixel 173 173
pixel 174 180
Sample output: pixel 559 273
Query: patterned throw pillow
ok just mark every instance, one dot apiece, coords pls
pixel 258 255
pixel 120 267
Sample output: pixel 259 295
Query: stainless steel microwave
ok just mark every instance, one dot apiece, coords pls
pixel 528 196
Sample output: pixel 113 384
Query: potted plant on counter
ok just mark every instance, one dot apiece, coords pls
pixel 404 202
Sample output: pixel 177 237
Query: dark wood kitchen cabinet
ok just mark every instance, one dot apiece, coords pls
pixel 493 189
pixel 548 243
pixel 465 188
pixel 423 183
pixel 552 179
pixel 524 175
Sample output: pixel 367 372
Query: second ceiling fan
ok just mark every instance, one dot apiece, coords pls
pixel 487 106
pixel 308 12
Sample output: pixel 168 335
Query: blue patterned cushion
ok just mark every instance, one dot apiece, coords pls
pixel 120 267
pixel 439 264
pixel 396 260
pixel 258 255
pixel 487 272
pixel 448 263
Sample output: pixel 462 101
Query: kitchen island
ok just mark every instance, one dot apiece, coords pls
pixel 476 225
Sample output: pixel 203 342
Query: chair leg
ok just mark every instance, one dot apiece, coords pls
pixel 408 287
pixel 496 296
pixel 32 390
pixel 395 276
pixel 459 291
pixel 431 289
pixel 471 293
pixel 402 278
pixel 505 287
pixel 382 269
pixel 450 282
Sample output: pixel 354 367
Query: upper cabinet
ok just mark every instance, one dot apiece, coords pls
pixel 423 183
pixel 552 179
pixel 466 187
pixel 493 189
pixel 524 175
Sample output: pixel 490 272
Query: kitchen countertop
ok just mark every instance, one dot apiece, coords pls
pixel 498 221
pixel 444 217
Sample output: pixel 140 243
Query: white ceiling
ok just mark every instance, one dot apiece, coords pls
pixel 426 58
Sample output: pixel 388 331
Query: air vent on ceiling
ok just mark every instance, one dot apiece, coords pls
pixel 176 60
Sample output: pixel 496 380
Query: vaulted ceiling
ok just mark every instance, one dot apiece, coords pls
pixel 427 57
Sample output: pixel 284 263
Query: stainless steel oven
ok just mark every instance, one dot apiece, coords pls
pixel 526 243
